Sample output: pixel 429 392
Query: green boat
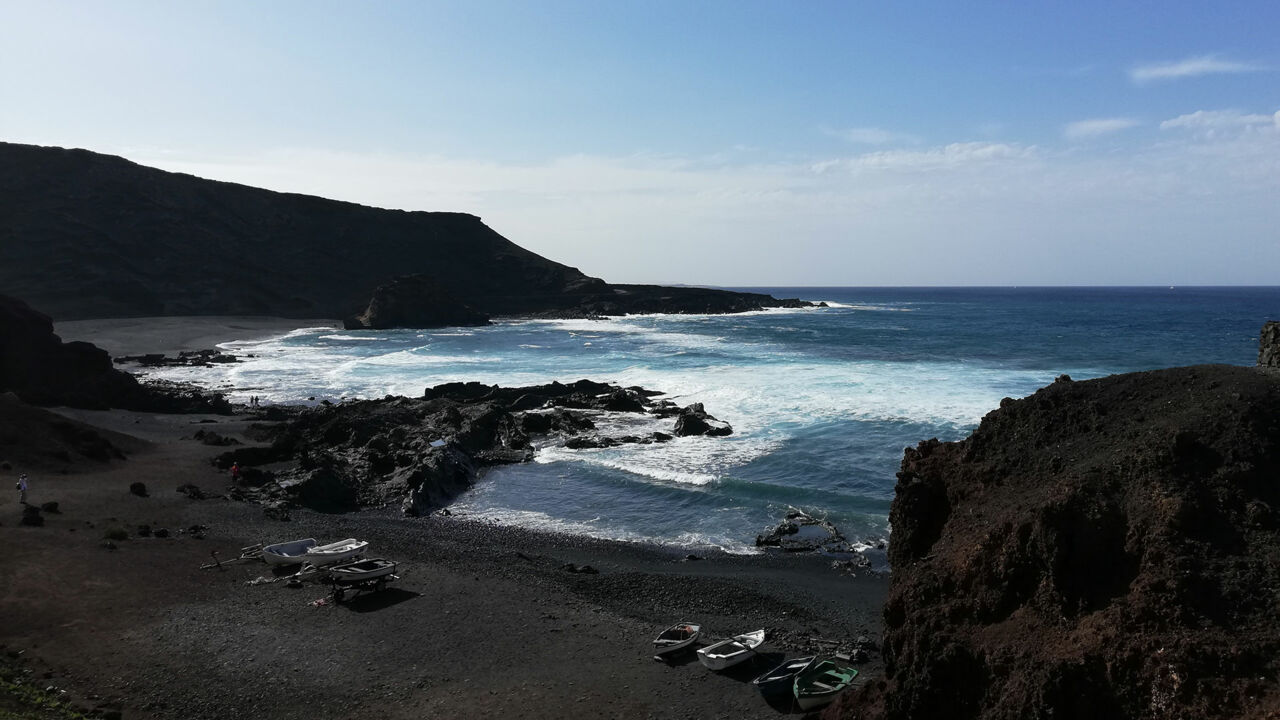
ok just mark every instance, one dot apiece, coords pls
pixel 821 683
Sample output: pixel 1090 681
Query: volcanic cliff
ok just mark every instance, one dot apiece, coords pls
pixel 1101 549
pixel 86 235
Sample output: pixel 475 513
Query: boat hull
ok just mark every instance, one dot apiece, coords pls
pixel 362 571
pixel 676 639
pixel 290 553
pixel 727 653
pixel 821 683
pixel 336 552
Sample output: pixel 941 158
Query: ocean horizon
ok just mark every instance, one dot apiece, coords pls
pixel 822 400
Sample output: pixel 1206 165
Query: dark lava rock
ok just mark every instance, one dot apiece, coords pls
pixel 189 358
pixel 414 301
pixel 799 532
pixel 1104 549
pixel 1269 345
pixel 143 531
pixel 139 489
pixel 31 516
pixel 209 437
pixel 50 508
pixel 419 453
pixel 42 370
pixel 258 252
pixel 694 420
pixel 160 533
pixel 192 491
pixel 580 569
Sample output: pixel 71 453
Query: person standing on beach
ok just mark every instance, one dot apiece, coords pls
pixel 235 472
pixel 22 488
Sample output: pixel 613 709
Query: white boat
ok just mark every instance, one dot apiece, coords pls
pixel 288 553
pixel 361 571
pixel 675 639
pixel 728 653
pixel 335 552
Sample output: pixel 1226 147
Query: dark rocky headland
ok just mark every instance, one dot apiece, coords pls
pixel 1101 549
pixel 86 235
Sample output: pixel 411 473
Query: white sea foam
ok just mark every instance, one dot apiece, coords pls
pixel 537 520
pixel 362 338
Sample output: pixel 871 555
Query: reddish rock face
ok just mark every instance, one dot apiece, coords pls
pixel 1101 549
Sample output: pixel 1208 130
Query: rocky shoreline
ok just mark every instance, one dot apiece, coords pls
pixel 420 453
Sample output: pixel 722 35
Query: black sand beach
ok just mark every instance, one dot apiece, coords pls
pixel 486 622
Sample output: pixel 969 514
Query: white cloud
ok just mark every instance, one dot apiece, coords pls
pixel 1100 126
pixel 1186 210
pixel 1219 120
pixel 1191 67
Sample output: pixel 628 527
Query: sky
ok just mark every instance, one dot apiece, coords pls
pixel 731 143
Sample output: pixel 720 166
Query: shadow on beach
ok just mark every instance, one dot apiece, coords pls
pixel 373 602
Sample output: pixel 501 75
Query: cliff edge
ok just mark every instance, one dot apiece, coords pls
pixel 1100 549
pixel 87 235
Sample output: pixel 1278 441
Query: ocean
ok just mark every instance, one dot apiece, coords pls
pixel 822 401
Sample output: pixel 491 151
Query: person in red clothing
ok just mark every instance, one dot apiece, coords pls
pixel 235 472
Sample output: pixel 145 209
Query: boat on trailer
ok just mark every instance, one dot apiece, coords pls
pixel 728 653
pixel 781 680
pixel 821 683
pixel 371 575
pixel 675 639
pixel 288 553
pixel 321 555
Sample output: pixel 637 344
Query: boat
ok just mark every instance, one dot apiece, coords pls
pixel 335 552
pixel 676 638
pixel 821 683
pixel 361 571
pixel 728 653
pixel 288 553
pixel 781 680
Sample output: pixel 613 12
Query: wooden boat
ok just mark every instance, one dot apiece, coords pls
pixel 821 683
pixel 361 571
pixel 781 680
pixel 335 552
pixel 288 553
pixel 728 653
pixel 676 638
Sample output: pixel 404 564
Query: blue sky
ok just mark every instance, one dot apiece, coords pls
pixel 771 143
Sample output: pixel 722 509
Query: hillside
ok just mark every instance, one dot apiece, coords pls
pixel 1100 549
pixel 87 235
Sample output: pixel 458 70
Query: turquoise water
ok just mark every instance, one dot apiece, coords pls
pixel 822 401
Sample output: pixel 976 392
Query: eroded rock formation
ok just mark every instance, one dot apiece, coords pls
pixel 41 369
pixel 1101 549
pixel 415 301
pixel 1269 345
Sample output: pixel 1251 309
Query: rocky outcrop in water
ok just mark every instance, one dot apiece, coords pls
pixel 415 301
pixel 41 369
pixel 694 420
pixel 420 453
pixel 1101 549
pixel 1269 345
pixel 86 235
